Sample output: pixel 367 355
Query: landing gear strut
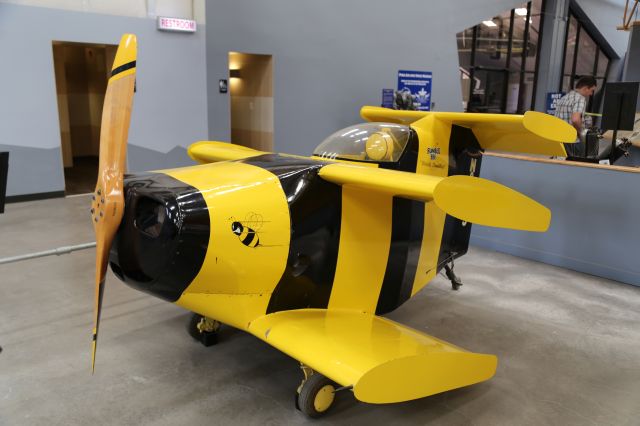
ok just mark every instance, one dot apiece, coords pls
pixel 456 282
pixel 315 394
pixel 204 330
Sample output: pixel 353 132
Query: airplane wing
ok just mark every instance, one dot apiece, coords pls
pixel 468 198
pixel 213 151
pixel 532 133
pixel 384 361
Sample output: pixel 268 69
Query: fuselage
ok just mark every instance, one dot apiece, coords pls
pixel 237 240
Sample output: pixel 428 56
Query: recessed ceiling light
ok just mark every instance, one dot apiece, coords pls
pixel 521 11
pixel 489 23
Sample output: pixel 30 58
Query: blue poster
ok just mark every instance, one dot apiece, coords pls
pixel 552 99
pixel 418 83
pixel 387 98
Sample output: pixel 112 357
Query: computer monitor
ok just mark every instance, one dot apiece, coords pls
pixel 619 108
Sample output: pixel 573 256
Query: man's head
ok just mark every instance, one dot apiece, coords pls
pixel 586 85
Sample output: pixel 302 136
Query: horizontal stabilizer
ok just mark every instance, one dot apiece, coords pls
pixel 467 198
pixel 532 133
pixel 213 151
pixel 384 361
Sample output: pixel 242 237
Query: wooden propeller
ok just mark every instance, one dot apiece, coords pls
pixel 107 206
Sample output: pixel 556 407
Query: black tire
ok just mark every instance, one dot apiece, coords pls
pixel 316 386
pixel 193 326
pixel 204 337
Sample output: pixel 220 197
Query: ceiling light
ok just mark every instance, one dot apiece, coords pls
pixel 489 23
pixel 521 11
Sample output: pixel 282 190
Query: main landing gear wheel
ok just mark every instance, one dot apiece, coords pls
pixel 204 330
pixel 316 394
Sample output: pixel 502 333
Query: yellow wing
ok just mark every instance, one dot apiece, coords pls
pixel 213 151
pixel 384 361
pixel 468 198
pixel 532 133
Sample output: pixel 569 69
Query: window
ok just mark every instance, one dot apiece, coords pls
pixel 498 61
pixel 583 56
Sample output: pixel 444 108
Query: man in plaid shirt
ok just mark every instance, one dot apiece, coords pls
pixel 570 108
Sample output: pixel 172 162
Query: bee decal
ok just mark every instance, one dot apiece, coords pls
pixel 247 230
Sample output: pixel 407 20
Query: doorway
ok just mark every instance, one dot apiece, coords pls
pixel 81 72
pixel 251 93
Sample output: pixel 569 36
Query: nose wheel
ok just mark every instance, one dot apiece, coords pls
pixel 315 394
pixel 204 330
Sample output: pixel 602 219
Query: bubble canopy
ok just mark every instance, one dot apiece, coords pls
pixel 374 142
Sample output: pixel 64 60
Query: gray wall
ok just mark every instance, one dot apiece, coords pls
pixel 594 215
pixel 331 57
pixel 170 106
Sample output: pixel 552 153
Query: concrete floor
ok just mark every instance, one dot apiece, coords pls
pixel 568 346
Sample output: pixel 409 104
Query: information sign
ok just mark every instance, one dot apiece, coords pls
pixel 418 83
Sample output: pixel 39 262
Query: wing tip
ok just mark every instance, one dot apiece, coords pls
pixel 488 203
pixel 423 375
pixel 549 127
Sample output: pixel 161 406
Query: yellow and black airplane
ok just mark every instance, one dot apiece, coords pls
pixel 306 253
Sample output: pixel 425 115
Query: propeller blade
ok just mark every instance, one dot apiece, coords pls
pixel 107 206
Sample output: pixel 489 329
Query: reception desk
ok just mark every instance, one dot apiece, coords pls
pixel 595 225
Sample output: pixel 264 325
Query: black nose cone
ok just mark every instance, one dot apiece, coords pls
pixel 163 237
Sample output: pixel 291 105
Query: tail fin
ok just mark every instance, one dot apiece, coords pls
pixel 531 133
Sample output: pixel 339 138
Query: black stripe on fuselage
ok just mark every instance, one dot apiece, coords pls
pixel 315 208
pixel 406 238
pixel 123 68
